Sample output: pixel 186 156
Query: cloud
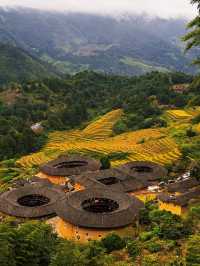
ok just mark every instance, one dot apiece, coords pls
pixel 162 8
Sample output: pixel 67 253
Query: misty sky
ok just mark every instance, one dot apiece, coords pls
pixel 163 8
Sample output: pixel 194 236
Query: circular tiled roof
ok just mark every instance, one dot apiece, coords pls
pixel 144 170
pixel 123 209
pixel 31 201
pixel 70 165
pixel 111 179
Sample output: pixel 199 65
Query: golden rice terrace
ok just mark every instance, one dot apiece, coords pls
pixel 149 144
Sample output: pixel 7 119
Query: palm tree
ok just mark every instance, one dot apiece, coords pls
pixel 192 39
pixel 196 2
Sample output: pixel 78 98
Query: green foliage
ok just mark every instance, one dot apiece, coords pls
pixel 120 126
pixel 113 242
pixel 150 260
pixel 144 236
pixel 153 246
pixel 168 225
pixel 190 133
pixel 144 217
pixel 67 253
pixel 118 155
pixel 191 150
pixel 163 224
pixel 105 162
pixel 30 244
pixel 193 251
pixel 17 65
pixel 196 119
pixel 195 212
pixel 35 244
pixel 195 172
pixel 133 248
pixel 192 38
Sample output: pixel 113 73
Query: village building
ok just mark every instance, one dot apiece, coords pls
pixel 89 202
pixel 37 128
pixel 94 212
pixel 31 201
pixel 178 196
pixel 180 88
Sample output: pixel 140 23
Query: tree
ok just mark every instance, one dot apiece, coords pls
pixel 193 251
pixel 95 254
pixel 7 255
pixel 30 244
pixel 168 225
pixel 34 244
pixel 113 242
pixel 68 254
pixel 196 2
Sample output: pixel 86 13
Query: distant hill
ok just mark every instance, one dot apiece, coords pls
pixel 17 65
pixel 129 45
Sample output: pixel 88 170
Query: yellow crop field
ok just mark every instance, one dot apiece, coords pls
pixel 179 114
pixel 146 144
pixel 102 127
pixel 197 128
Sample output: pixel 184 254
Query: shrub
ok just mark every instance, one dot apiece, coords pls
pixel 105 162
pixel 196 119
pixel 133 248
pixel 113 242
pixel 120 127
pixel 168 225
pixel 193 251
pixel 191 133
pixel 150 260
pixel 153 246
pixel 146 235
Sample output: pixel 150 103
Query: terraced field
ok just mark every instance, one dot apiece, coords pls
pixel 179 114
pixel 148 144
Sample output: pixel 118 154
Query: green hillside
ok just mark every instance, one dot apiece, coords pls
pixel 16 65
pixel 142 66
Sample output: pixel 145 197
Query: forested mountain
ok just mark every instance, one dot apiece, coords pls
pixel 131 44
pixel 17 65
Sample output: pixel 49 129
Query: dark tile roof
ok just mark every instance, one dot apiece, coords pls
pixel 9 201
pixel 144 170
pixel 71 209
pixel 183 186
pixel 70 165
pixel 181 200
pixel 111 179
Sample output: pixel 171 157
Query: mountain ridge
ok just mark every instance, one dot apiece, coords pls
pixel 73 42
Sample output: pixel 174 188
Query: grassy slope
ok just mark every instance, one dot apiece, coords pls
pixel 142 66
